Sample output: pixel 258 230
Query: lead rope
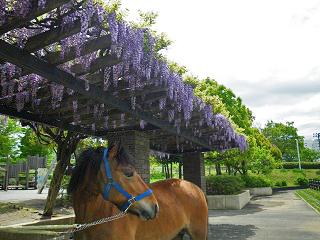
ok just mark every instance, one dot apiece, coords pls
pixel 79 227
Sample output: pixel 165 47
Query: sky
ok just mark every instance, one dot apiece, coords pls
pixel 266 51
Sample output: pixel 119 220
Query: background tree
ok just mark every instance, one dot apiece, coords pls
pixel 31 146
pixel 263 160
pixel 66 142
pixel 309 155
pixel 263 142
pixel 167 164
pixel 238 112
pixel 10 130
pixel 90 142
pixel 284 137
pixel 225 102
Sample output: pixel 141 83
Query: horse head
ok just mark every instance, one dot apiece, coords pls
pixel 121 184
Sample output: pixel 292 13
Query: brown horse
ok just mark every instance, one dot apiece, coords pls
pixel 175 206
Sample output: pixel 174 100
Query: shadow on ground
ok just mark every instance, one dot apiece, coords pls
pixel 228 231
pixel 35 206
pixel 231 231
pixel 251 208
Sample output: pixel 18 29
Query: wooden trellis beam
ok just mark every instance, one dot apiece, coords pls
pixel 24 59
pixel 47 38
pixel 88 47
pixel 33 13
pixel 25 115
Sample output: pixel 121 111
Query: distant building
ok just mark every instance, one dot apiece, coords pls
pixel 312 144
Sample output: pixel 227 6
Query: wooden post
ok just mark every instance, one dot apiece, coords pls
pixel 27 176
pixel 6 178
pixel 36 169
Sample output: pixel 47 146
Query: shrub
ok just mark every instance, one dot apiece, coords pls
pixel 255 181
pixel 224 184
pixel 304 165
pixel 158 175
pixel 302 181
pixel 284 183
pixel 297 170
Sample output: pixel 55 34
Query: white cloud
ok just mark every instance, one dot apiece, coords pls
pixel 267 51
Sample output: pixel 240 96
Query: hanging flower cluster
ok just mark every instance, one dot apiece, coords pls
pixel 159 154
pixel 136 48
pixel 138 65
pixel 13 9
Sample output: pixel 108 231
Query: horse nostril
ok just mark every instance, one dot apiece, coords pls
pixel 156 208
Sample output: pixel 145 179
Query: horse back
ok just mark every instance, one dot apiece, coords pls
pixel 184 195
pixel 182 207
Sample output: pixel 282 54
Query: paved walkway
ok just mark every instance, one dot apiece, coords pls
pixel 281 216
pixel 278 217
pixel 20 195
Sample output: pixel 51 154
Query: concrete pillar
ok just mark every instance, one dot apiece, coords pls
pixel 137 144
pixel 193 169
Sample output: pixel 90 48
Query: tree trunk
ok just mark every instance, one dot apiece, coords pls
pixel 55 186
pixel 228 168
pixel 218 169
pixel 171 174
pixel 180 169
pixel 167 170
pixel 244 170
pixel 65 149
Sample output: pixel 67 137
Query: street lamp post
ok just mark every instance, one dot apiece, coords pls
pixel 298 154
pixel 317 135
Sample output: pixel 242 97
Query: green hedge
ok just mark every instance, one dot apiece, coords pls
pixel 255 181
pixel 304 165
pixel 302 181
pixel 224 184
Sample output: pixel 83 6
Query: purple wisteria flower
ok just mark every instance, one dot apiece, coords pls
pixel 142 124
pixel 139 66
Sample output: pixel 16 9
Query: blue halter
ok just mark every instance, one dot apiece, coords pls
pixel 111 182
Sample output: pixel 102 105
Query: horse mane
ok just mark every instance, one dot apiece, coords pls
pixel 90 159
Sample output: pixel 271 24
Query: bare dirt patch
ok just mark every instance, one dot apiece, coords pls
pixel 28 211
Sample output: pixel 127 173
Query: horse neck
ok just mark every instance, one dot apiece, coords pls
pixel 88 206
pixel 87 200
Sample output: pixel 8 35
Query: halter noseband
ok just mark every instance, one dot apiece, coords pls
pixel 112 182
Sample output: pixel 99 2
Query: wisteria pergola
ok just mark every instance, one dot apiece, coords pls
pixel 71 65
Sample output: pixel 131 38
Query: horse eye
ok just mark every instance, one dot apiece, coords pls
pixel 128 172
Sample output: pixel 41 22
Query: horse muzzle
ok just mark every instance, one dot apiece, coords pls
pixel 145 212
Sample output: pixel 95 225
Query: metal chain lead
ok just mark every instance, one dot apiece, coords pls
pixel 80 227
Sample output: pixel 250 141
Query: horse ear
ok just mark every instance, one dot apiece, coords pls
pixel 120 145
pixel 115 150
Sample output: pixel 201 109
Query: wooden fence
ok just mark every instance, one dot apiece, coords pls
pixel 14 170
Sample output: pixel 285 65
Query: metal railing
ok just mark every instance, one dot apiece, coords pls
pixel 314 184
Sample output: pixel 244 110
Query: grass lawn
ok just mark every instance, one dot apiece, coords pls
pixel 311 196
pixel 290 176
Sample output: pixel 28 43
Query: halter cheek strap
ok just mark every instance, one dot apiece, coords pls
pixel 112 182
